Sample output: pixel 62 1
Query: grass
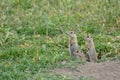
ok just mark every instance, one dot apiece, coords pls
pixel 32 34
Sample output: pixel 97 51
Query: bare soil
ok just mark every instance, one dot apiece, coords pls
pixel 108 70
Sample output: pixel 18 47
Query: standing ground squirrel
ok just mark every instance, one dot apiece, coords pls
pixel 91 48
pixel 73 45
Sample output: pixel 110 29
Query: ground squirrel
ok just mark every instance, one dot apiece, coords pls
pixel 73 45
pixel 79 54
pixel 91 48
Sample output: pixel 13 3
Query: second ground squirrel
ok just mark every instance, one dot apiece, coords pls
pixel 91 48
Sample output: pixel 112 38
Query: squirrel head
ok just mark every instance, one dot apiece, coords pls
pixel 78 53
pixel 88 38
pixel 71 34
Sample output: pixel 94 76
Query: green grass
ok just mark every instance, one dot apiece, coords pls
pixel 32 34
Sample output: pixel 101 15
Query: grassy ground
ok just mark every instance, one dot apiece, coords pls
pixel 32 34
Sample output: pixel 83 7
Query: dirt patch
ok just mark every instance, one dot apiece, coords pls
pixel 108 70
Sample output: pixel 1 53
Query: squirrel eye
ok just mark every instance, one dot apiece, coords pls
pixel 71 32
pixel 87 36
pixel 77 51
